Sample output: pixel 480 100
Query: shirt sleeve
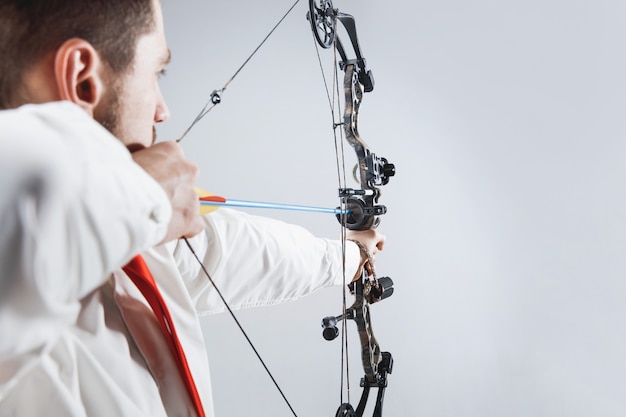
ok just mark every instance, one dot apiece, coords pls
pixel 258 261
pixel 73 207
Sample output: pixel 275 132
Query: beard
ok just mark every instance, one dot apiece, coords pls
pixel 110 116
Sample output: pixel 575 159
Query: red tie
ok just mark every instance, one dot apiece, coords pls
pixel 138 272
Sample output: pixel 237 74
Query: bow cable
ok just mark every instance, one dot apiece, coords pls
pixel 341 177
pixel 342 182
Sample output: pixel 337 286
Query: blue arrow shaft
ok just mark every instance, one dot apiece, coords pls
pixel 276 206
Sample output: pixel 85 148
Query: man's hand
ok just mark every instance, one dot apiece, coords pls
pixel 166 163
pixel 373 242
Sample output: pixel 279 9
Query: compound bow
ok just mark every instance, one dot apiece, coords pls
pixel 362 204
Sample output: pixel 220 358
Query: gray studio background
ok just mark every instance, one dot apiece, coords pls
pixel 507 221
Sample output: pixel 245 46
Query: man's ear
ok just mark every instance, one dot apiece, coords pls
pixel 78 70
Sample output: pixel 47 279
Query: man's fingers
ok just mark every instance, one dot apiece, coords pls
pixel 166 163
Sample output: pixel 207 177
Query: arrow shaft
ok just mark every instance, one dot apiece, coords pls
pixel 276 206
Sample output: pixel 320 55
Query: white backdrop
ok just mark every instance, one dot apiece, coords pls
pixel 506 227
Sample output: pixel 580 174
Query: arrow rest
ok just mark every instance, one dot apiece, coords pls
pixel 360 213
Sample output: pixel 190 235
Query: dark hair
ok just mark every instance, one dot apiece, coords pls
pixel 31 28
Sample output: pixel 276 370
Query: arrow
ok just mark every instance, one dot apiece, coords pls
pixel 214 200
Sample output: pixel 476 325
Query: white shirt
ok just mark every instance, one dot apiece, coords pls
pixel 76 336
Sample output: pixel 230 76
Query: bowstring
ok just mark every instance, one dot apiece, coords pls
pixel 232 314
pixel 216 94
pixel 205 110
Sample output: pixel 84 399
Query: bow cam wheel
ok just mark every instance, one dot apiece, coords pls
pixel 321 15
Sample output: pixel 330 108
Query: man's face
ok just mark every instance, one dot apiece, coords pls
pixel 134 102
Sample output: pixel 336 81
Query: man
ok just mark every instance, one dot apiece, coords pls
pixel 78 335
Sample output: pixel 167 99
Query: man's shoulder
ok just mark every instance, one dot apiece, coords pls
pixel 52 108
pixel 58 116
